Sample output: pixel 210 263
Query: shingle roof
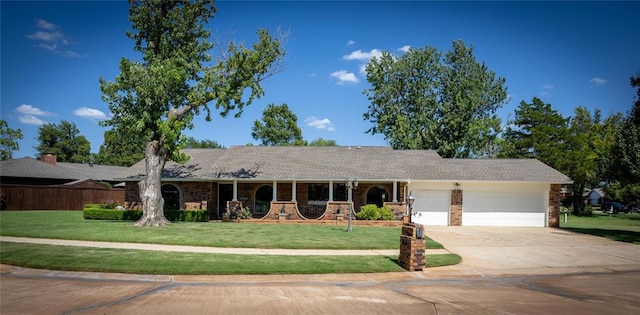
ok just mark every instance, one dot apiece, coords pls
pixel 338 163
pixel 31 168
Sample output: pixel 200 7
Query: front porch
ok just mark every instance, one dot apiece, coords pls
pixel 277 200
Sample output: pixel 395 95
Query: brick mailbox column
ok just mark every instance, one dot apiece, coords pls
pixel 412 251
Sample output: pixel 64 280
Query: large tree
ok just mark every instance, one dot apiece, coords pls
pixel 8 140
pixel 578 146
pixel 537 131
pixel 279 126
pixel 625 153
pixel 64 141
pixel 178 77
pixel 422 100
pixel 119 148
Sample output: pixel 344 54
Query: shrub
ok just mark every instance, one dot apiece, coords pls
pixel 372 212
pixel 245 213
pixel 109 214
pixel 97 212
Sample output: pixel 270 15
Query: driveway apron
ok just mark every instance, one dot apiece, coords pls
pixel 523 250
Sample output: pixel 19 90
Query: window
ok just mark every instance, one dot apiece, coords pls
pixel 318 192
pixel 171 196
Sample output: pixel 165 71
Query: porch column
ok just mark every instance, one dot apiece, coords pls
pixel 275 191
pixel 330 190
pixel 293 191
pixel 235 190
pixel 395 191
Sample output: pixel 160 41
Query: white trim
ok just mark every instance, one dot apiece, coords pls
pixel 294 188
pixel 235 190
pixel 274 195
pixel 395 191
pixel 330 190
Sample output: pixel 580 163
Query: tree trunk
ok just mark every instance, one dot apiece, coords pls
pixel 150 187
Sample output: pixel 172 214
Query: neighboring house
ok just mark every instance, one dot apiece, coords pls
pixel 595 197
pixel 29 184
pixel 309 183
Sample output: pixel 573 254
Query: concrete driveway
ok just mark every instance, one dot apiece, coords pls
pixel 526 251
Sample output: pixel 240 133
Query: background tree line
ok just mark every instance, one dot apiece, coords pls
pixel 429 99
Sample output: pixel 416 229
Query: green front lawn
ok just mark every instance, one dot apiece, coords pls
pixel 172 263
pixel 70 225
pixel 618 227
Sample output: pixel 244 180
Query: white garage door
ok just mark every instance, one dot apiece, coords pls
pixel 431 207
pixel 513 208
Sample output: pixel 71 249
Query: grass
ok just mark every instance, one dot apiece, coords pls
pixel 172 263
pixel 619 227
pixel 70 225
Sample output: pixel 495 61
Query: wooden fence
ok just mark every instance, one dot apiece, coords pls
pixel 33 197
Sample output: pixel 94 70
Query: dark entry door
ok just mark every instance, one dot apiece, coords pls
pixel 225 193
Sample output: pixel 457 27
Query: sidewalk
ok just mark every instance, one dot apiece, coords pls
pixel 215 250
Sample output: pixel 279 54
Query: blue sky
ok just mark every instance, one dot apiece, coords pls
pixel 568 54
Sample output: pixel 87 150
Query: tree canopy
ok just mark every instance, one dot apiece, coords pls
pixel 625 164
pixel 193 143
pixel 577 146
pixel 537 131
pixel 320 142
pixel 64 141
pixel 121 149
pixel 8 140
pixel 422 100
pixel 179 77
pixel 279 126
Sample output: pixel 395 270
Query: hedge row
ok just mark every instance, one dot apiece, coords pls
pixel 134 215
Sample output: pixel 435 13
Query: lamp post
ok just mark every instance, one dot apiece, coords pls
pixel 350 184
pixel 410 201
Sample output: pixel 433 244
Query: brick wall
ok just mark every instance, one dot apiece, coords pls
pixel 455 215
pixel 554 205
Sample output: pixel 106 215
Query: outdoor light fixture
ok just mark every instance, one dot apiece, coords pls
pixel 456 186
pixel 350 184
pixel 410 201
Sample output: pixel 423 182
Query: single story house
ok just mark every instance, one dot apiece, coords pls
pixel 324 183
pixel 595 197
pixel 30 184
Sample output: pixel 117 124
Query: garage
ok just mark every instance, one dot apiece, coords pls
pixel 431 207
pixel 505 207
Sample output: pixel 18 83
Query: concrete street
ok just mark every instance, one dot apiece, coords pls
pixel 504 271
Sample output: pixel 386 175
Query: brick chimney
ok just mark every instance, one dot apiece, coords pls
pixel 49 158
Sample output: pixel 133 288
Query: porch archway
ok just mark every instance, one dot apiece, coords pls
pixel 264 195
pixel 377 195
pixel 171 196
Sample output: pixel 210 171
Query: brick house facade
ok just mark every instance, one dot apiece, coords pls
pixel 308 183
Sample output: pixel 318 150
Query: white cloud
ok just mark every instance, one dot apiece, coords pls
pixel 50 37
pixel 351 42
pixel 31 120
pixel 363 69
pixel 26 109
pixel 324 123
pixel 46 25
pixel 404 48
pixel 598 81
pixel 363 55
pixel 344 76
pixel 546 91
pixel 90 113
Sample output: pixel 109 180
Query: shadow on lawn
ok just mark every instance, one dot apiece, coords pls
pixel 616 235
